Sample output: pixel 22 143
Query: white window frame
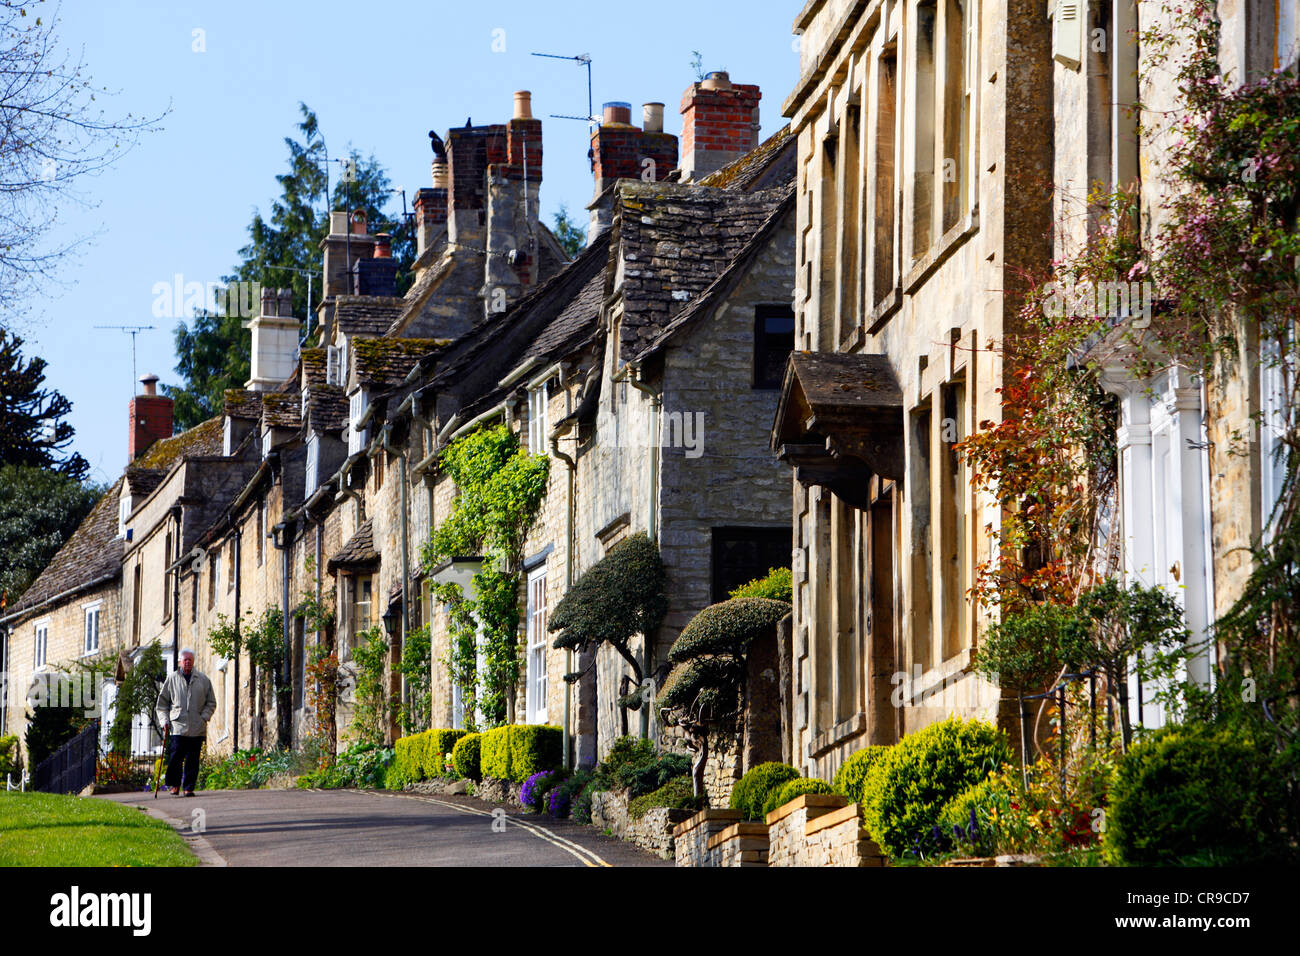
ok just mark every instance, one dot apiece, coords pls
pixel 313 463
pixel 1272 426
pixel 40 643
pixel 1165 511
pixel 92 613
pixel 333 366
pixel 358 402
pixel 538 400
pixel 535 628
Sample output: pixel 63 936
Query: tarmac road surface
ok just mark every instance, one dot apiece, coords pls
pixel 377 828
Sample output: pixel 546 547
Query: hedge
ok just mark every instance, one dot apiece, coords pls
pixel 423 756
pixel 517 751
pixel 494 753
pixel 465 755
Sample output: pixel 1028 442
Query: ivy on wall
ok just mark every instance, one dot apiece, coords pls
pixel 500 488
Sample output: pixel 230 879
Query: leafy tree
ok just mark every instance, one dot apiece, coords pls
pixel 213 350
pixel 569 232
pixel 49 728
pixel 53 132
pixel 39 510
pixel 33 430
pixel 138 696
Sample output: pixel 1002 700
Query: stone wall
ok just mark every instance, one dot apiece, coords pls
pixel 811 830
pixel 654 831
pixel 722 768
pixel 691 838
pixel 741 844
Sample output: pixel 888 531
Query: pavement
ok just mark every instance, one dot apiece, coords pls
pixel 376 828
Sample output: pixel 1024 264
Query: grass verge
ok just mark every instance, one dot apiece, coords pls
pixel 43 829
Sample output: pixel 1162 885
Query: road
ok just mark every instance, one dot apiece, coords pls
pixel 378 828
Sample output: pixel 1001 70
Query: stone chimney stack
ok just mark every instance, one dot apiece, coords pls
pixel 151 418
pixel 347 243
pixel 719 124
pixel 275 341
pixel 512 185
pixel 620 150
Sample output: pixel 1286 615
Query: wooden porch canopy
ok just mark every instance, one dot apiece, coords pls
pixel 839 421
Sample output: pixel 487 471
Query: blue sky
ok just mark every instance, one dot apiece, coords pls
pixel 379 76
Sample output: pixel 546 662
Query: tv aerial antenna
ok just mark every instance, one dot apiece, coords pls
pixel 585 60
pixel 133 331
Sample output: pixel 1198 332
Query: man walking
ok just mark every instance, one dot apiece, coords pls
pixel 185 704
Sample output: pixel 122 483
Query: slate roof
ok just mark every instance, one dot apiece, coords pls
pixel 359 552
pixel 726 280
pixel 281 409
pixel 366 314
pixel 92 554
pixel 244 404
pixel 560 316
pixel 327 405
pixel 383 364
pixel 203 440
pixel 674 241
pixel 141 481
pixel 768 165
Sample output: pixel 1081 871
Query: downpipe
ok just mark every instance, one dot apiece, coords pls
pixel 652 526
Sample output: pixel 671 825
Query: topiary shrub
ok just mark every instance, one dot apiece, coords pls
pixel 465 755
pixel 1193 795
pixel 620 596
pixel 780 796
pixel 751 791
pixel 907 789
pixel 494 753
pixel 677 794
pixel 533 748
pixel 727 628
pixel 849 778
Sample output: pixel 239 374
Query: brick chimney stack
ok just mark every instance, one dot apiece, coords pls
pixel 620 150
pixel 719 124
pixel 430 214
pixel 151 418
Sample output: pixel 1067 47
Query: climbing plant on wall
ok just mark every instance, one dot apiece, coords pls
pixel 499 488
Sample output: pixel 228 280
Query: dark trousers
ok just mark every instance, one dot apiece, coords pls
pixel 184 750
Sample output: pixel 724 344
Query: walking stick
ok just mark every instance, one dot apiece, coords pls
pixel 158 764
